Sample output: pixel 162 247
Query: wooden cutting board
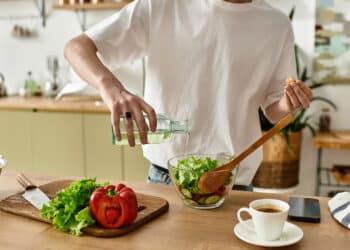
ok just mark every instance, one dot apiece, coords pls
pixel 150 207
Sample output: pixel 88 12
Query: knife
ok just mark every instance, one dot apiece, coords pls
pixel 32 194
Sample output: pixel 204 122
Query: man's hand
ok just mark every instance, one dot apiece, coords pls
pixel 122 103
pixel 81 54
pixel 296 96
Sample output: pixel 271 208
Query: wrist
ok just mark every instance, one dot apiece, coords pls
pixel 283 106
pixel 108 83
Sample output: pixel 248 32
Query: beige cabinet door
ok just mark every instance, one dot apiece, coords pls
pixel 135 165
pixel 15 139
pixel 57 143
pixel 103 159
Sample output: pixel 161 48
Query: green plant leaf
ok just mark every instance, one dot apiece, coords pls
pixel 312 130
pixel 291 13
pixel 297 120
pixel 316 85
pixel 285 133
pixel 304 76
pixel 323 99
pixel 307 118
pixel 296 51
pixel 265 124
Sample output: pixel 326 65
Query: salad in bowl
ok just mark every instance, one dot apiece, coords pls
pixel 185 172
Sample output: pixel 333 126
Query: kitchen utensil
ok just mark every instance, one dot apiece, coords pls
pixel 32 194
pixel 214 179
pixel 3 91
pixel 198 200
pixel 51 86
pixel 150 207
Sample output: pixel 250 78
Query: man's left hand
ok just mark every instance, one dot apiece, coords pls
pixel 296 96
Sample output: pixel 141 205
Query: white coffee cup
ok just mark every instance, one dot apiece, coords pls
pixel 267 225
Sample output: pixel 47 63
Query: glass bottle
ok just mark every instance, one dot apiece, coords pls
pixel 29 85
pixel 325 121
pixel 165 129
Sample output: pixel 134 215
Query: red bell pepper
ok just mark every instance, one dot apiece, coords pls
pixel 114 206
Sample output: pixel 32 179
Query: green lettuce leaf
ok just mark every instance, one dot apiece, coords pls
pixel 188 172
pixel 69 210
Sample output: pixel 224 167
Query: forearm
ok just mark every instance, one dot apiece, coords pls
pixel 275 112
pixel 81 54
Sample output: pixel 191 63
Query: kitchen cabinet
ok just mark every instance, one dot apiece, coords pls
pixel 103 159
pixel 62 138
pixel 15 139
pixel 135 165
pixel 57 143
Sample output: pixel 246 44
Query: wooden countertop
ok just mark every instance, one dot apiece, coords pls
pixel 333 139
pixel 181 228
pixel 78 104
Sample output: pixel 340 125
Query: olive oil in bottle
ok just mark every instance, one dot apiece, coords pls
pixel 165 129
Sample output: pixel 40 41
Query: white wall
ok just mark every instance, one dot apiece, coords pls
pixel 19 56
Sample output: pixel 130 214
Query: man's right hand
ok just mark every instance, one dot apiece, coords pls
pixel 123 104
pixel 81 54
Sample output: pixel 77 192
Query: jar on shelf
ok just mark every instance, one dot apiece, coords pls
pixel 325 120
pixel 63 2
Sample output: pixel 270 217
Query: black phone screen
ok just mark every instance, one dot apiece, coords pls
pixel 304 209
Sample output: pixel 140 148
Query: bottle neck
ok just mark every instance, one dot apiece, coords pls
pixel 179 127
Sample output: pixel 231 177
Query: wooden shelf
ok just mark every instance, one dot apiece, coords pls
pixel 333 139
pixel 91 6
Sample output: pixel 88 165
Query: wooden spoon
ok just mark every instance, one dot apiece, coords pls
pixel 212 180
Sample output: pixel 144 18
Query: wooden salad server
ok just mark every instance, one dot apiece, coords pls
pixel 212 180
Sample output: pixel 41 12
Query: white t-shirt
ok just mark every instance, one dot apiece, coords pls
pixel 209 61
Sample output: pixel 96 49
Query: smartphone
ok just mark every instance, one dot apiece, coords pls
pixel 304 209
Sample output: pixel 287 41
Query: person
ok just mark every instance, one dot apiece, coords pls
pixel 212 62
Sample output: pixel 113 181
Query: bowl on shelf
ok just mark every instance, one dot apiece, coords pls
pixel 185 172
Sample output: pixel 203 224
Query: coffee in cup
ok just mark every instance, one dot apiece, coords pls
pixel 268 209
pixel 269 217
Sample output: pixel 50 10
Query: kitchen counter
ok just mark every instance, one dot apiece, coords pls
pixel 181 228
pixel 78 103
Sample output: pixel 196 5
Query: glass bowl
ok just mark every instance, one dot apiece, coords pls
pixel 185 181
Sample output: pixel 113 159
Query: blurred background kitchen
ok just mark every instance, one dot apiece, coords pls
pixel 53 123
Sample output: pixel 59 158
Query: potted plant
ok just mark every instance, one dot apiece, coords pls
pixel 281 154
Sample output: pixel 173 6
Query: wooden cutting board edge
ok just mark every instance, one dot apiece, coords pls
pixel 92 230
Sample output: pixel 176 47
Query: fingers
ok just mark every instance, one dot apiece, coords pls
pixel 129 126
pixel 307 91
pixel 152 117
pixel 288 102
pixel 131 108
pixel 292 97
pixel 125 104
pixel 302 94
pixel 115 120
pixel 141 124
pixel 298 94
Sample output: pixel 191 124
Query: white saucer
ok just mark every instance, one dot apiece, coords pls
pixel 291 234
